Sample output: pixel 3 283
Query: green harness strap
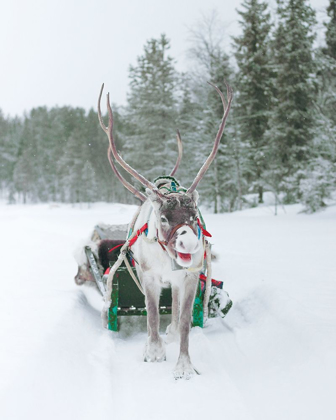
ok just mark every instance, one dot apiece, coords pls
pixel 176 188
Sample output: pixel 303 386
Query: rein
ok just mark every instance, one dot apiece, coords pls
pixel 133 237
pixel 174 187
pixel 172 233
pixel 163 244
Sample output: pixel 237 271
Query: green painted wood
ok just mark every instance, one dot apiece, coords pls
pixel 198 308
pixel 113 310
pixel 121 285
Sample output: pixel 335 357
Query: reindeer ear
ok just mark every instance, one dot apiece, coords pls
pixel 150 194
pixel 194 196
pixel 154 197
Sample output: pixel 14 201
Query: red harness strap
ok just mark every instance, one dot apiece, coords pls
pixel 214 282
pixel 162 243
pixel 115 247
pixel 139 232
pixel 205 232
pixel 171 234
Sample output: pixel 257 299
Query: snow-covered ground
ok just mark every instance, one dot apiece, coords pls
pixel 273 357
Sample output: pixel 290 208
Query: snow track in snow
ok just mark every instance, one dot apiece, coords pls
pixel 273 357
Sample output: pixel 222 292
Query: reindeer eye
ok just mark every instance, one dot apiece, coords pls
pixel 164 219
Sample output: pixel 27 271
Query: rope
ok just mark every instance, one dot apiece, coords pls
pixel 123 258
pixel 108 293
pixel 131 225
pixel 208 282
pixel 134 277
pixel 111 274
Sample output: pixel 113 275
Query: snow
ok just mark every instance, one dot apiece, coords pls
pixel 272 357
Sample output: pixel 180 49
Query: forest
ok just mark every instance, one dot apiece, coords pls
pixel 280 136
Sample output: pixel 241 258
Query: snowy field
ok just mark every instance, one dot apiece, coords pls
pixel 273 357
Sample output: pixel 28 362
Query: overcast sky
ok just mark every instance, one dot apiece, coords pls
pixel 58 52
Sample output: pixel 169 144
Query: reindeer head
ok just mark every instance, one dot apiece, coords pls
pixel 176 216
pixel 176 212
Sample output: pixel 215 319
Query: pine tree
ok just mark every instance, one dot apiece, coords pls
pixel 330 49
pixel 10 134
pixel 222 184
pixel 318 180
pixel 189 122
pixel 219 182
pixel 25 172
pixel 326 62
pixel 326 101
pixel 150 146
pixel 291 120
pixel 70 166
pixel 42 157
pixel 89 184
pixel 254 84
pixel 4 158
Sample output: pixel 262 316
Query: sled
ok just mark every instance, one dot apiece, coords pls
pixel 102 252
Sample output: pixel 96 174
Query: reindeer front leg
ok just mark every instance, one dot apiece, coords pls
pixel 172 331
pixel 184 368
pixel 154 349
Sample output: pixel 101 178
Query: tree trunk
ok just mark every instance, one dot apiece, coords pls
pixel 238 181
pixel 260 193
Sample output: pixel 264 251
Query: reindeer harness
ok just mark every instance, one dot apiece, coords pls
pixel 170 185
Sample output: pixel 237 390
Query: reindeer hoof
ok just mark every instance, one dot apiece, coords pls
pixel 158 359
pixel 184 369
pixel 154 351
pixel 184 374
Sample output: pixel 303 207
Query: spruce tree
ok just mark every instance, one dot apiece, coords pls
pixel 10 134
pixel 70 166
pixel 90 187
pixel 319 177
pixel 221 186
pixel 291 124
pixel 254 84
pixel 326 98
pixel 25 174
pixel 330 49
pixel 326 63
pixel 189 123
pixel 42 157
pixel 150 145
pixel 219 182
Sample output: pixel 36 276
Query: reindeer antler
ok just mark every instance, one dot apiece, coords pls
pixel 125 183
pixel 109 132
pixel 212 155
pixel 180 152
pixel 112 148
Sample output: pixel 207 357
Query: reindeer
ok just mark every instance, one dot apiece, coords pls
pixel 173 237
